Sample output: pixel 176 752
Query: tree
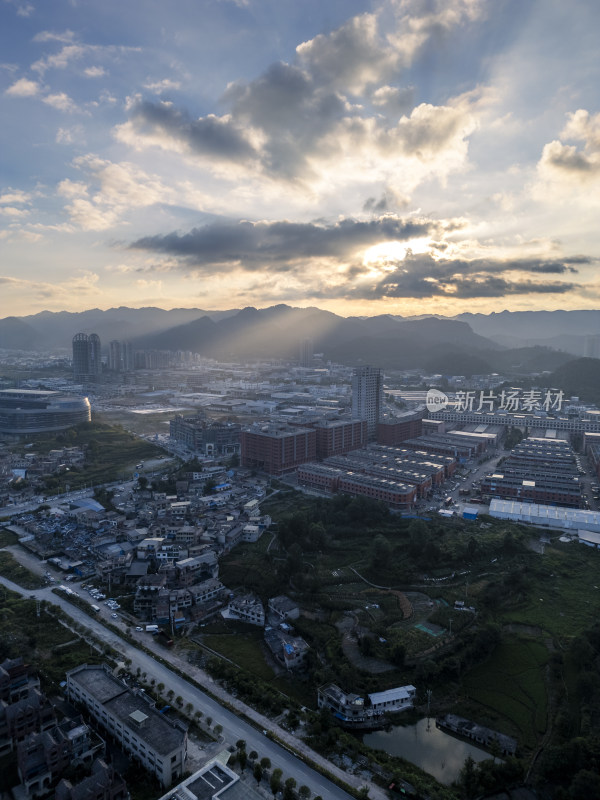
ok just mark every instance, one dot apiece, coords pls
pixel 265 763
pixel 189 708
pixel 275 782
pixel 242 758
pixel 304 792
pixel 241 744
pixel 257 772
pixel 288 789
pixel 253 755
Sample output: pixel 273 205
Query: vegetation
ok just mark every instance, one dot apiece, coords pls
pixel 7 538
pixel 110 451
pixel 349 563
pixel 11 569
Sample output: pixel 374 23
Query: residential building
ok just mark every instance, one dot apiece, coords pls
pixel 87 361
pixel 367 397
pixel 247 608
pixel 159 743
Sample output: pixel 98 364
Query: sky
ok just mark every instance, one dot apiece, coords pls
pixel 396 156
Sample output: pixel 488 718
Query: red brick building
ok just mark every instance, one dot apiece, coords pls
pixel 394 431
pixel 340 436
pixel 277 449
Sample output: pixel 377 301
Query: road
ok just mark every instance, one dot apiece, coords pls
pixel 234 726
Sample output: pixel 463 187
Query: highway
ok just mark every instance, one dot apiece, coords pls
pixel 234 726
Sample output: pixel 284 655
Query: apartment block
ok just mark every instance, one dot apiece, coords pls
pixel 157 742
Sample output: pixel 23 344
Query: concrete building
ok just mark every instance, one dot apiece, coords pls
pixel 207 438
pixel 277 449
pixel 367 397
pixel 213 781
pixel 87 361
pixel 157 742
pixel 247 608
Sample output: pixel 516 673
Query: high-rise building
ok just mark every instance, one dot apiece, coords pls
pixel 367 397
pixel 87 361
pixel 120 356
pixel 306 352
pixel 114 356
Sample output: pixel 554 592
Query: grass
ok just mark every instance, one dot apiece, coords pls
pixel 11 569
pixel 564 592
pixel 511 688
pixel 7 538
pixel 51 648
pixel 245 650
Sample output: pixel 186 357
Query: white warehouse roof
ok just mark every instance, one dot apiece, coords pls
pixel 550 516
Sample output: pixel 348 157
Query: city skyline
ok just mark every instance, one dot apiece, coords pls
pixel 401 156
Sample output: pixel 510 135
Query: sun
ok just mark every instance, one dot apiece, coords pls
pixel 385 255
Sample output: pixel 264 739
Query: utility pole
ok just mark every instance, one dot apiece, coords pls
pixel 429 693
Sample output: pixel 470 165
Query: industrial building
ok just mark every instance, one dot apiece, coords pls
pixel 26 411
pixel 335 437
pixel 277 448
pixel 560 518
pixel 397 430
pixel 538 471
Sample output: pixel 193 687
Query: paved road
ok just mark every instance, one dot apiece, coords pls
pixel 234 727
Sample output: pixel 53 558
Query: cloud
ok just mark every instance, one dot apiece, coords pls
pixel 255 245
pixel 51 36
pixel 163 86
pixel 12 196
pixel 303 122
pixel 23 88
pixel 73 51
pixel 561 160
pixel 110 192
pixel 61 102
pixel 421 276
pixel 94 72
pixel 209 136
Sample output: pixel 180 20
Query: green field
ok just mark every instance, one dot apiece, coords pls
pixel 563 592
pixel 7 537
pixel 11 569
pixel 510 687
pixel 245 650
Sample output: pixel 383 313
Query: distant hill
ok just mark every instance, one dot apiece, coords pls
pixel 276 332
pixel 468 344
pixel 580 377
pixel 565 330
pixel 18 335
pixel 56 329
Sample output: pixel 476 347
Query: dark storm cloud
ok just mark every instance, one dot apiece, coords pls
pixel 254 245
pixel 421 276
pixel 211 136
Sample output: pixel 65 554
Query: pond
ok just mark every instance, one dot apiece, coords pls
pixel 430 748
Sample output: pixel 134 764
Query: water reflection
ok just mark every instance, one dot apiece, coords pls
pixel 436 752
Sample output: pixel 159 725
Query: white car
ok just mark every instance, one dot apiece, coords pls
pixel 115 616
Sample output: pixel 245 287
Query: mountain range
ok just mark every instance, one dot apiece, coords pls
pixel 469 343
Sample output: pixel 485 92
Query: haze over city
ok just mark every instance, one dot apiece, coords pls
pixel 365 157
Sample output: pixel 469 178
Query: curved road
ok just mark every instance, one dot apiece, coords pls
pixel 234 727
